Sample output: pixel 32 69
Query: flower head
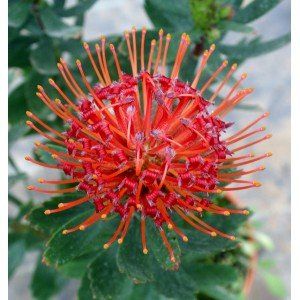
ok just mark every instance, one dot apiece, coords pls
pixel 147 143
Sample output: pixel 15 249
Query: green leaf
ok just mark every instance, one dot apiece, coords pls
pixel 49 224
pixel 130 257
pixel 206 245
pixel 176 285
pixel 13 179
pixel 170 15
pixel 274 284
pixel 55 27
pixel 106 281
pixel 46 157
pixel 234 26
pixel 14 200
pixel 145 292
pixel 64 248
pixel 85 292
pixel 18 13
pixel 42 57
pixel 16 251
pixel 80 8
pixel 76 268
pixel 218 293
pixel 18 50
pixel 244 50
pixel 205 274
pixel 59 4
pixel 254 10
pixel 159 250
pixel 16 100
pixel 45 282
pixel 15 132
pixel 21 232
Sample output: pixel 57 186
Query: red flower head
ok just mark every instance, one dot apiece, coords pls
pixel 147 143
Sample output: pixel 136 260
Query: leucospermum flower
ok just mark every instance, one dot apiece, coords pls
pixel 147 143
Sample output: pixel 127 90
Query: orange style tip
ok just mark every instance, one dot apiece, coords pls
pixel 256 183
pixel 225 63
pixel 205 53
pixel 30 187
pixel 29 113
pixel 139 206
pixel 102 38
pixel 78 62
pixel 218 191
pixel 81 227
pixel 153 42
pixel 97 46
pixel 251 154
pixel 103 216
pixel 170 226
pixel 54 156
pixel 37 143
pixel 145 251
pixel 262 168
pixel 269 154
pixel 213 234
pixel 60 205
pixel 212 47
pixel 185 239
pixel 86 45
pixel 199 209
pixel 51 81
pixel 59 65
pixel 40 88
pixel 226 213
pixel 105 246
pixel 120 241
pixel 61 60
pixel 47 212
pixel 161 31
pixel 169 36
pixel 266 114
pixel 65 231
pixel 57 101
pixel 95 176
pixel 244 75
pixel 263 128
pixel 246 212
pixel 172 258
pixel 27 157
pixel 268 136
pixel 111 47
pixel 29 123
pixel 232 238
pixel 234 66
pixel 41 180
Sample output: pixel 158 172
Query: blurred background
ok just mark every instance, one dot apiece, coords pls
pixel 269 74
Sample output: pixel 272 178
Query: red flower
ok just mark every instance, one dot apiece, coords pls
pixel 147 143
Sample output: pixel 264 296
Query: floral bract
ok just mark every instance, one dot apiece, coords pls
pixel 147 143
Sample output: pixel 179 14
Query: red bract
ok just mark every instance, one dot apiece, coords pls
pixel 147 143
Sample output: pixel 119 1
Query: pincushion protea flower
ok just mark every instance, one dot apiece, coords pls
pixel 146 143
